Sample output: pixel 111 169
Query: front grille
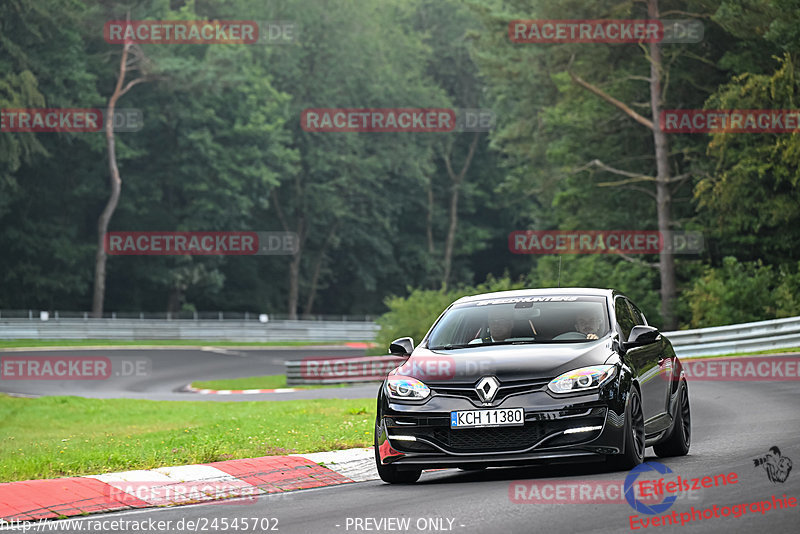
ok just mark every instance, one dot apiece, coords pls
pixel 490 439
pixel 436 430
pixel 506 389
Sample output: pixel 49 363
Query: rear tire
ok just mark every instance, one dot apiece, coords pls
pixel 390 473
pixel 634 436
pixel 680 437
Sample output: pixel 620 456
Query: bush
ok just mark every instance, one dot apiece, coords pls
pixel 740 292
pixel 413 315
pixel 635 280
pixel 787 294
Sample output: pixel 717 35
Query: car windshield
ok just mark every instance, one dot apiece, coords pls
pixel 534 319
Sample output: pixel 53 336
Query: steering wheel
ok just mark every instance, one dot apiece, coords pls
pixel 568 336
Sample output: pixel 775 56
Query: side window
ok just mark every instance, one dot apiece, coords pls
pixel 624 317
pixel 638 316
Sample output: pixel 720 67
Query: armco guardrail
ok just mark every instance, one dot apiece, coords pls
pixel 340 370
pixel 227 330
pixel 746 337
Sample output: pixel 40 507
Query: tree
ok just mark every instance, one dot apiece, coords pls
pixel 335 199
pixel 554 136
pixel 749 196
pixel 137 61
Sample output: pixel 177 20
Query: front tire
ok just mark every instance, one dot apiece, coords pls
pixel 633 454
pixel 390 473
pixel 680 437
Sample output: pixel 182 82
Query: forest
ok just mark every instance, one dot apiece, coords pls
pixel 400 220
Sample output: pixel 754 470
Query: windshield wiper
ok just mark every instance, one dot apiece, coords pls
pixel 495 343
pixel 489 344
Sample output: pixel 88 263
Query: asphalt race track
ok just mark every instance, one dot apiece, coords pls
pixel 733 423
pixel 161 374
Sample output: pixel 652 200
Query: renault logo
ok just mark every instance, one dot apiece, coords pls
pixel 487 388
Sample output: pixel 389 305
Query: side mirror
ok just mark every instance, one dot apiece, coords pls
pixel 642 335
pixel 402 346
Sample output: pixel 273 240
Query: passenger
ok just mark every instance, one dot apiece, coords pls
pixel 588 322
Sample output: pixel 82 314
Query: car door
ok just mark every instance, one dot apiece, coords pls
pixel 645 363
pixel 661 395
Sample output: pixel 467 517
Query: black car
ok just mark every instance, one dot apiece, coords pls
pixel 532 376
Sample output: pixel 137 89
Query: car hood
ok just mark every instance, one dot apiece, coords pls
pixel 506 362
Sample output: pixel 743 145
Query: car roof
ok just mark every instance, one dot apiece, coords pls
pixel 589 291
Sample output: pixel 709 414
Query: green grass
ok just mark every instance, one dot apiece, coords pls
pixel 257 382
pixel 740 354
pixel 15 343
pixel 51 437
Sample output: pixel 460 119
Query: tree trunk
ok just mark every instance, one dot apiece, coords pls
pixel 666 260
pixel 294 270
pixel 451 233
pixel 456 181
pixel 105 218
pixel 294 265
pixel 312 292
pixel 294 282
pixel 429 218
pixel 116 185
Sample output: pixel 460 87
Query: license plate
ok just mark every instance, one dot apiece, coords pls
pixel 487 418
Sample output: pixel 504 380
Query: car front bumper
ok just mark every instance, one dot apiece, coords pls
pixel 555 430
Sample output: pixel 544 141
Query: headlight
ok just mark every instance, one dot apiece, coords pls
pixel 405 388
pixel 582 379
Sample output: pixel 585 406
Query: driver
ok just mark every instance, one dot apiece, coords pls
pixel 588 322
pixel 501 322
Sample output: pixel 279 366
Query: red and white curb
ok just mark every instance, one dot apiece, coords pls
pixel 192 389
pixel 228 482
